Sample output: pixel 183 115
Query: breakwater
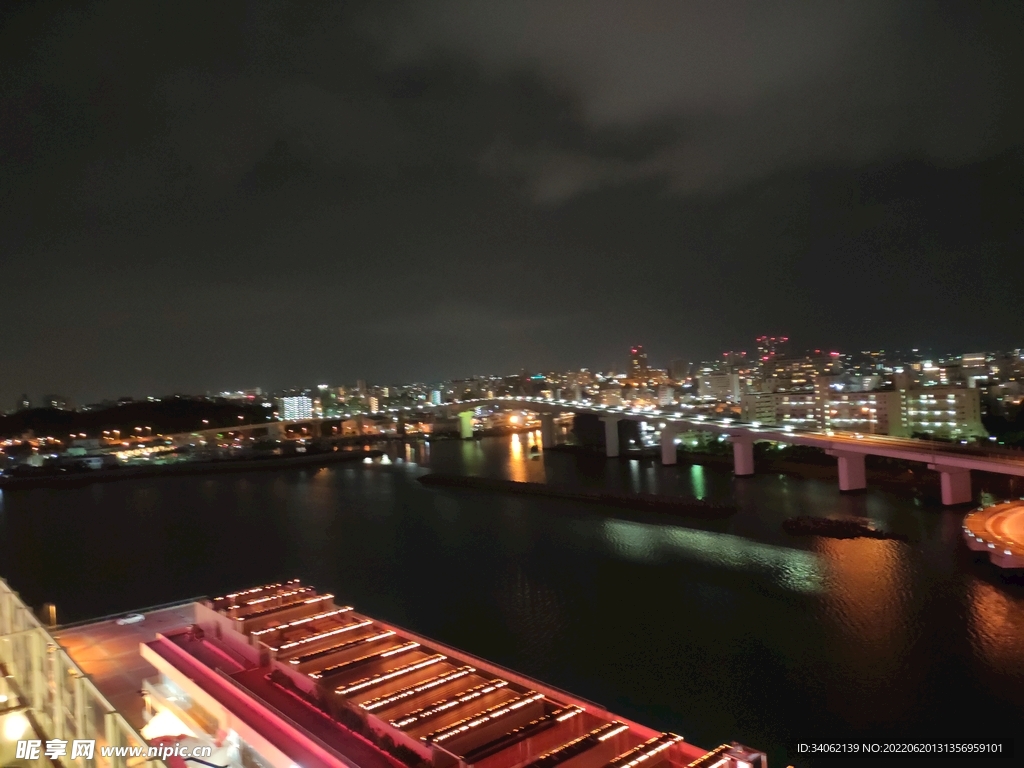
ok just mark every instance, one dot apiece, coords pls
pixel 832 528
pixel 676 505
pixel 85 477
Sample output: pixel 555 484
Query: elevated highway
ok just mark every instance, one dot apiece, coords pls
pixel 953 463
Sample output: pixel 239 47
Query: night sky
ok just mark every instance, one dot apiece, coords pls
pixel 212 195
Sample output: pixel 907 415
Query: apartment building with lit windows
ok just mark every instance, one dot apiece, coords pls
pixel 946 412
pixel 871 413
pixel 949 412
pixel 787 409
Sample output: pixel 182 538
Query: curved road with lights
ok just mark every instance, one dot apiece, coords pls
pixel 999 531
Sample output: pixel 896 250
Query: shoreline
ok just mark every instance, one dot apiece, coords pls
pixel 78 479
pixel 833 528
pixel 677 505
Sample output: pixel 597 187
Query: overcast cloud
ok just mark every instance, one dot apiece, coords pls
pixel 209 195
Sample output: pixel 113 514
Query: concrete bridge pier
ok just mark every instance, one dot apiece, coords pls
pixel 742 455
pixel 611 435
pixel 547 430
pixel 955 483
pixel 466 425
pixel 852 475
pixel 668 444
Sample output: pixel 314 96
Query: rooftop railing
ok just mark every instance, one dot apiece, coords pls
pixel 60 701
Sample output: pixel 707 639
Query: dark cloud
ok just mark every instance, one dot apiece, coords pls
pixel 752 87
pixel 200 196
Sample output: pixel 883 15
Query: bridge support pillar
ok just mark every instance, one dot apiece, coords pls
pixel 611 436
pixel 742 455
pixel 852 475
pixel 668 444
pixel 547 430
pixel 466 425
pixel 955 483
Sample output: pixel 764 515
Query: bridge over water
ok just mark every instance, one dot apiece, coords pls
pixel 953 462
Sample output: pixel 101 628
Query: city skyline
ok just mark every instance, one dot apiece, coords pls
pixel 275 197
pixel 620 367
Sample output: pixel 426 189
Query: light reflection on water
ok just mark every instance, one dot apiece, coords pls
pixel 996 625
pixel 697 481
pixel 642 542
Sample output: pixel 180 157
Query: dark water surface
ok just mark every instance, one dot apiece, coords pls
pixel 715 630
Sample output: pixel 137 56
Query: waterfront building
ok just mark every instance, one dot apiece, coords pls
pixel 414 700
pixel 46 694
pixel 280 676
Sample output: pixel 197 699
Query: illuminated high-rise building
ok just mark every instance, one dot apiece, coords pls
pixel 297 407
pixel 637 362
